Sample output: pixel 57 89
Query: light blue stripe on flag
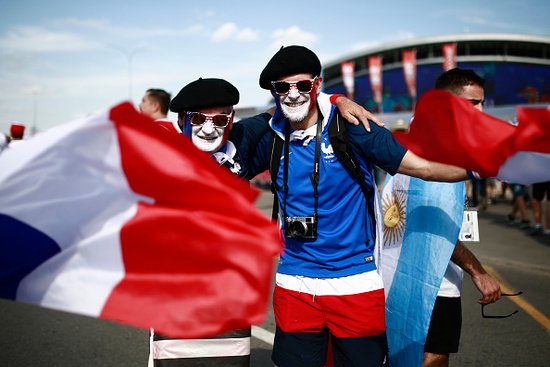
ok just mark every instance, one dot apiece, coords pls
pixel 433 219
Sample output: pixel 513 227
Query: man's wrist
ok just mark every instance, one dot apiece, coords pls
pixel 473 175
pixel 334 97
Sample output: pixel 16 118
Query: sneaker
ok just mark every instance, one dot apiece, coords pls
pixel 484 205
pixel 535 231
pixel 511 219
pixel 524 224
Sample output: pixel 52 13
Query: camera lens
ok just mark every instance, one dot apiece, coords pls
pixel 297 229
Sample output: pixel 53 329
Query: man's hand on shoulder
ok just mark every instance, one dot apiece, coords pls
pixel 353 112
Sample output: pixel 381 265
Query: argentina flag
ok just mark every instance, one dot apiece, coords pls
pixel 421 223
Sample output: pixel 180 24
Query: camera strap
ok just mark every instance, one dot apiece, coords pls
pixel 316 168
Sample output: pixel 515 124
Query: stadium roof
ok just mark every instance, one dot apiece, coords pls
pixel 480 47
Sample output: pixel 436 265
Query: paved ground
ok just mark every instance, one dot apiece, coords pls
pixel 32 336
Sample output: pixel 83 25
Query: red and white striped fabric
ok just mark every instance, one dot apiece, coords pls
pixel 113 218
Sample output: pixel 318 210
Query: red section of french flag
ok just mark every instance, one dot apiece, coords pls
pixel 448 129
pixel 198 261
pixel 531 161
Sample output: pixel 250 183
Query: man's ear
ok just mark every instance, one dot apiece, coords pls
pixel 230 125
pixel 319 83
pixel 181 121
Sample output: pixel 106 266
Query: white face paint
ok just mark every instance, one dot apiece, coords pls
pixel 296 105
pixel 208 137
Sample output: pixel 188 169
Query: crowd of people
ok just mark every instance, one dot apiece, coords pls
pixel 328 292
pixel 528 202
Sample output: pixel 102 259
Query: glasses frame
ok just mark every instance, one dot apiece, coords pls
pixel 228 118
pixel 294 84
pixel 483 315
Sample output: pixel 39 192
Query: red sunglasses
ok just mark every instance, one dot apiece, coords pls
pixel 303 86
pixel 219 120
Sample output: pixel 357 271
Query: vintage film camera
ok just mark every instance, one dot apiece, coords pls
pixel 301 227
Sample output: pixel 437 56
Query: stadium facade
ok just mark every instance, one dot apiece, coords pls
pixel 516 68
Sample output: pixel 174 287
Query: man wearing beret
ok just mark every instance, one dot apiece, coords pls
pixel 326 282
pixel 205 114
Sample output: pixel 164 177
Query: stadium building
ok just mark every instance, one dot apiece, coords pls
pixel 516 68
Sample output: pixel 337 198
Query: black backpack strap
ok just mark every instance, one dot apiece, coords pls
pixel 275 150
pixel 338 136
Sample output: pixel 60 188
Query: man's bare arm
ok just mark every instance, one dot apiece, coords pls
pixel 485 283
pixel 415 166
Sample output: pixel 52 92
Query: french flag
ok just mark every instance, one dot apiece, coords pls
pixel 113 217
pixel 448 129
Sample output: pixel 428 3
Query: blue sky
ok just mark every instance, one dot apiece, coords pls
pixel 69 58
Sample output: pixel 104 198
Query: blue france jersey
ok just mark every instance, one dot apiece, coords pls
pixel 345 242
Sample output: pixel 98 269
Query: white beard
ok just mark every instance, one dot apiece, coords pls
pixel 296 114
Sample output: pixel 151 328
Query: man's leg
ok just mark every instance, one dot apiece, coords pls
pixel 435 360
pixel 301 336
pixel 538 196
pixel 299 349
pixel 444 332
pixel 367 351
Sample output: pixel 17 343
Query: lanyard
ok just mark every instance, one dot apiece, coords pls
pixel 314 177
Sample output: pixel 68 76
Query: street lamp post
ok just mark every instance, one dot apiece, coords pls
pixel 129 54
pixel 34 90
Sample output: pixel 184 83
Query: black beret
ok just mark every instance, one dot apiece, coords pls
pixel 203 93
pixel 288 61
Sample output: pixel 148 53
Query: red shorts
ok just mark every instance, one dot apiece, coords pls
pixel 344 314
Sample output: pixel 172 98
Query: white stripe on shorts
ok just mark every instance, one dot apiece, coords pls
pixel 353 284
pixel 201 348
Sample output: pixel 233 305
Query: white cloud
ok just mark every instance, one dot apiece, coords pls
pixel 247 34
pixel 292 36
pixel 88 23
pixel 36 39
pixel 231 31
pixel 225 32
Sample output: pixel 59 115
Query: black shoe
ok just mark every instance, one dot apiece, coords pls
pixel 524 224
pixel 535 231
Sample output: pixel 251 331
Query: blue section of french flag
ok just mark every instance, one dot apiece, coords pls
pixel 33 248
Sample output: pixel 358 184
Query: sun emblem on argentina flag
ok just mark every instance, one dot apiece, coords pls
pixel 394 206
